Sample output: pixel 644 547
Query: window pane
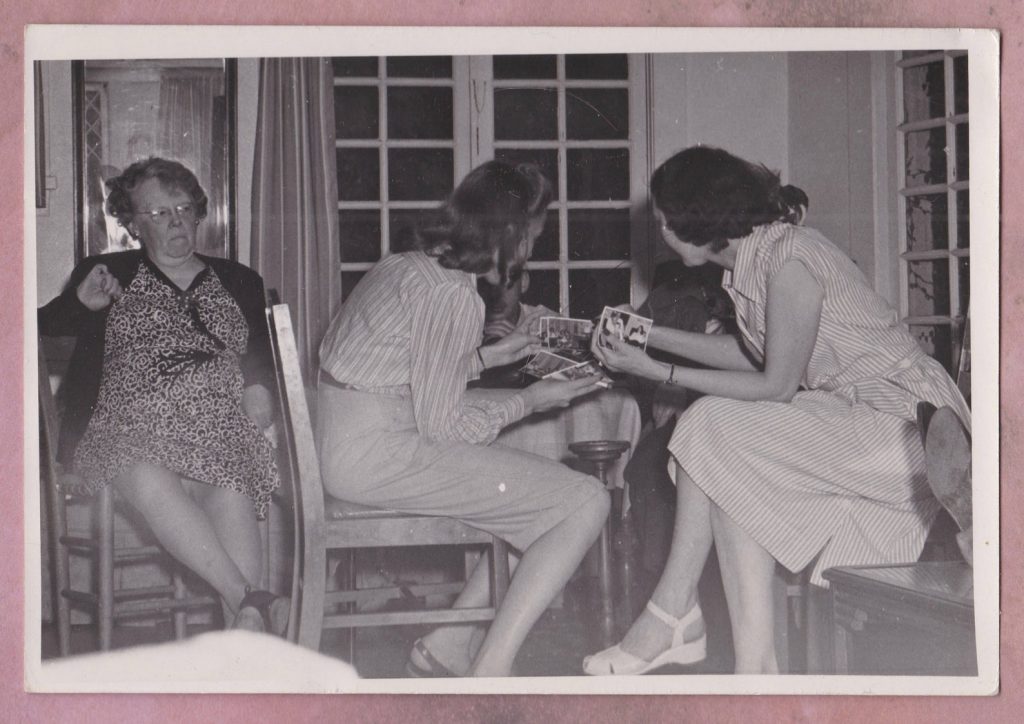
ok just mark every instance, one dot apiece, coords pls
pixel 525 66
pixel 591 289
pixel 545 159
pixel 525 113
pixel 596 113
pixel 963 152
pixel 598 234
pixel 356 112
pixel 960 84
pixel 598 174
pixel 420 66
pixel 907 54
pixel 964 283
pixel 926 157
pixel 963 219
pixel 360 235
pixel 546 246
pixel 419 112
pixel 403 224
pixel 924 92
pixel 358 174
pixel 936 341
pixel 597 67
pixel 418 174
pixel 355 67
pixel 543 288
pixel 927 222
pixel 349 279
pixel 928 288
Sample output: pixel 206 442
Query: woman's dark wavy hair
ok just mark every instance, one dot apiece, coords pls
pixel 171 174
pixel 489 211
pixel 709 196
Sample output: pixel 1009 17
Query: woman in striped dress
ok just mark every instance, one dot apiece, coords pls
pixel 805 447
pixel 398 431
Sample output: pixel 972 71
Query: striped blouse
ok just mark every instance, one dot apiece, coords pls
pixel 411 328
pixel 862 352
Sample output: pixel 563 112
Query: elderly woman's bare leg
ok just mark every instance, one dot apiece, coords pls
pixel 183 528
pixel 544 568
pixel 747 571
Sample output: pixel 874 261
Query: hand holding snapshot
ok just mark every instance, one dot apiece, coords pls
pixel 621 356
pixel 550 394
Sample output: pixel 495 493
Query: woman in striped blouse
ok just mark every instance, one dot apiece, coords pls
pixel 399 431
pixel 805 447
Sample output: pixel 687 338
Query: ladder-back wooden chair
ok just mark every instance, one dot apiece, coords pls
pixel 324 524
pixel 108 603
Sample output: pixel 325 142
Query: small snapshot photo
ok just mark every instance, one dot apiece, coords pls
pixel 625 326
pixel 546 363
pixel 569 337
pixel 578 371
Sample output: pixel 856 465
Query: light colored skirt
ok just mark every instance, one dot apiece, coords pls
pixel 371 453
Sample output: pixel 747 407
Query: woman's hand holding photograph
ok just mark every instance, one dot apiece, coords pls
pixel 620 356
pixel 519 343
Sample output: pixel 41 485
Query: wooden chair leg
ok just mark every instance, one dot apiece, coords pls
pixel 313 587
pixel 604 563
pixel 499 571
pixel 105 567
pixel 180 615
pixel 60 564
pixel 351 583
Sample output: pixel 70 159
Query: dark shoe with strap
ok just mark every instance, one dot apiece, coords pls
pixel 273 610
pixel 948 464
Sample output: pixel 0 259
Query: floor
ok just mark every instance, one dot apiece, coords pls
pixel 555 647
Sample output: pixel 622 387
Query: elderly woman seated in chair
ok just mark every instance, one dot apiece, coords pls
pixel 167 396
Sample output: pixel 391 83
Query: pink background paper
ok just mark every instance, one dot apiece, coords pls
pixel 1002 15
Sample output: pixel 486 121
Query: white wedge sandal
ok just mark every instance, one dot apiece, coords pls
pixel 616 662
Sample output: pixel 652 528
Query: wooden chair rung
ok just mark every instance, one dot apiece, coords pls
pixel 385 593
pixel 404 618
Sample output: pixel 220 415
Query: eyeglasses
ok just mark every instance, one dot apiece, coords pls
pixel 163 216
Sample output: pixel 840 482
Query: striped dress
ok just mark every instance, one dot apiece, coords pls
pixel 837 474
pixel 396 428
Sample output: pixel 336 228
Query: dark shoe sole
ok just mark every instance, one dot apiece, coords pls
pixel 948 463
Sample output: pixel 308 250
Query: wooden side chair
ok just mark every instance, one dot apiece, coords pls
pixel 108 603
pixel 324 524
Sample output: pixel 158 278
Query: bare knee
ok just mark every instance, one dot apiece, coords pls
pixel 597 506
pixel 145 482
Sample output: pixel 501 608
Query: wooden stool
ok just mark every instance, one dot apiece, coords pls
pixel 602 453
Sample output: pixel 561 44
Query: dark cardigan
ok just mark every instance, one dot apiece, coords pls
pixel 67 316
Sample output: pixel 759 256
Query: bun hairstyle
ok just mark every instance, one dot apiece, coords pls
pixel 709 196
pixel 487 216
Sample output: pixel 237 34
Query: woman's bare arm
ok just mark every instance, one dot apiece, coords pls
pixel 721 351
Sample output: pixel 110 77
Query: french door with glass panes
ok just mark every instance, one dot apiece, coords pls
pixel 409 128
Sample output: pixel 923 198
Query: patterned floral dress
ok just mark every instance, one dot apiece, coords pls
pixel 171 393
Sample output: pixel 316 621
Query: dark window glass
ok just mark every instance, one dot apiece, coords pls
pixel 523 67
pixel 420 66
pixel 964 284
pixel 360 235
pixel 928 288
pixel 598 234
pixel 543 288
pixel 349 279
pixel 546 159
pixel 607 66
pixel 355 67
pixel 963 219
pixel 596 113
pixel 419 174
pixel 418 112
pixel 936 341
pixel 927 222
pixel 598 174
pixel 908 54
pixel 525 113
pixel 591 289
pixel 358 174
pixel 926 157
pixel 403 224
pixel 963 152
pixel 960 85
pixel 924 92
pixel 356 112
pixel 546 246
